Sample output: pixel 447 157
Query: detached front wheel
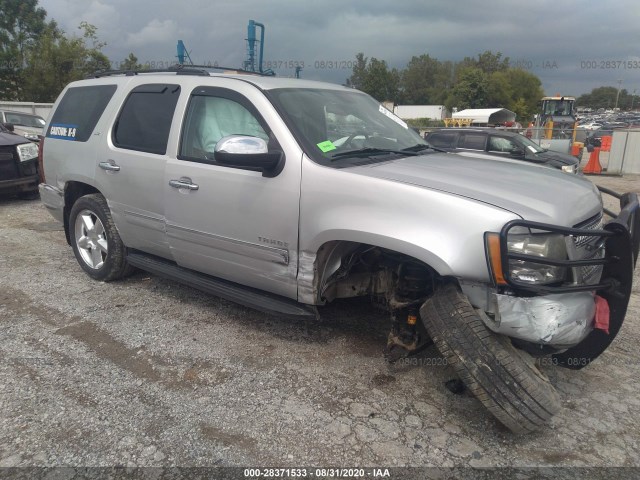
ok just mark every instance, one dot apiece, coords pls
pixel 504 379
pixel 95 239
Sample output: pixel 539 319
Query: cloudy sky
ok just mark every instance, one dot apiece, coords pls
pixel 571 46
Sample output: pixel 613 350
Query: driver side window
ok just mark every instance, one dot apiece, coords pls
pixel 501 144
pixel 211 118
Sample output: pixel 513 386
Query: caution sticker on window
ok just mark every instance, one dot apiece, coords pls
pixel 326 146
pixel 392 116
pixel 63 131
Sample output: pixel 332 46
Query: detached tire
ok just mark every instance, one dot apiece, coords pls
pixel 95 239
pixel 504 379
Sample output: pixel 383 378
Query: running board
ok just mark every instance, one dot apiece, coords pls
pixel 247 296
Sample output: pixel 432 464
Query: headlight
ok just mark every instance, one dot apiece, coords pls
pixel 569 168
pixel 545 246
pixel 552 247
pixel 27 151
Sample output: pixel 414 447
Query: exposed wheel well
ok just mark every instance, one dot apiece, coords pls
pixel 349 269
pixel 72 192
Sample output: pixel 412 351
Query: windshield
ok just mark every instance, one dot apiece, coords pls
pixel 331 124
pixel 25 120
pixel 558 107
pixel 530 145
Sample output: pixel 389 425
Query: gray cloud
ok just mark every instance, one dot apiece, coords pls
pixel 558 41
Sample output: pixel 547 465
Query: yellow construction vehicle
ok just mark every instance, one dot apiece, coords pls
pixel 555 125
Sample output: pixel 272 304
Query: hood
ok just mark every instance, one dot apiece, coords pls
pixel 535 193
pixel 22 130
pixel 10 139
pixel 555 159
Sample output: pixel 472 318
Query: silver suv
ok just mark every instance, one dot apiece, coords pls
pixel 285 194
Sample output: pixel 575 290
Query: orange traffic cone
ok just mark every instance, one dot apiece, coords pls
pixel 593 166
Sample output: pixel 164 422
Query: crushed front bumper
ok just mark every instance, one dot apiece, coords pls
pixel 533 309
pixel 560 321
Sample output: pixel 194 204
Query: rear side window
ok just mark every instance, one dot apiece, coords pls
pixel 442 140
pixel 79 112
pixel 145 119
pixel 474 141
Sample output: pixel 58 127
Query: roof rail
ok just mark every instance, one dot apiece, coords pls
pixel 130 73
pixel 178 69
pixel 237 70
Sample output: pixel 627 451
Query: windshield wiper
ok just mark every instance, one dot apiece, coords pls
pixel 370 151
pixel 422 146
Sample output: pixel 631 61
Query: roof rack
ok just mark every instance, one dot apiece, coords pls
pixel 130 73
pixel 198 70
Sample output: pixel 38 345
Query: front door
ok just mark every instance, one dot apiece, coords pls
pixel 229 222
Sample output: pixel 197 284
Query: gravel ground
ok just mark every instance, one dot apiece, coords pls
pixel 146 372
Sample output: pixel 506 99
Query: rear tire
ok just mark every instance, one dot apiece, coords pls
pixel 504 379
pixel 95 240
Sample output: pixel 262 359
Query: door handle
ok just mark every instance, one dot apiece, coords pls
pixel 183 183
pixel 110 167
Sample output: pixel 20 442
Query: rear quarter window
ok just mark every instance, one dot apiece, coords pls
pixel 79 112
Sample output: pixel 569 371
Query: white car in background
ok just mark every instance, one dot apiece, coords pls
pixel 590 126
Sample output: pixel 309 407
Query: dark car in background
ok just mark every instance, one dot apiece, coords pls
pixel 595 139
pixel 18 165
pixel 495 142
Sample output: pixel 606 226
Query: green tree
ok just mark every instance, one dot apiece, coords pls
pixel 357 78
pixel 470 91
pixel 374 77
pixel 56 59
pixel 21 24
pixel 426 80
pixel 516 90
pixel 488 62
pixel 130 63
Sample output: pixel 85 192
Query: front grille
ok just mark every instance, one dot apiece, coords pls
pixel 8 164
pixel 590 248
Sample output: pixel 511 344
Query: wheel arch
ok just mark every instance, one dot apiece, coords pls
pixel 73 190
pixel 317 265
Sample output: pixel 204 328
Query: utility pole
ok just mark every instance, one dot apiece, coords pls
pixel 618 94
pixel 633 96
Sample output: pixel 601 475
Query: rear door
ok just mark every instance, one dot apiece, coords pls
pixel 130 171
pixel 472 141
pixel 443 140
pixel 234 223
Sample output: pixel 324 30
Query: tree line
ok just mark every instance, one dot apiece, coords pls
pixel 609 97
pixel 38 59
pixel 487 80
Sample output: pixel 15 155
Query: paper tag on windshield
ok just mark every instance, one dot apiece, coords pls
pixel 392 116
pixel 326 146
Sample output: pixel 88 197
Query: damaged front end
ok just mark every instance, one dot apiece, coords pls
pixel 394 282
pixel 572 301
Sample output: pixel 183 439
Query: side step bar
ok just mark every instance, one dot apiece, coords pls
pixel 249 297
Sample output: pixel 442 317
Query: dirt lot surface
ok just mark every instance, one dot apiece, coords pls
pixel 146 372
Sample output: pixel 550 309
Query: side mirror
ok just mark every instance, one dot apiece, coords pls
pixel 249 153
pixel 9 126
pixel 517 152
